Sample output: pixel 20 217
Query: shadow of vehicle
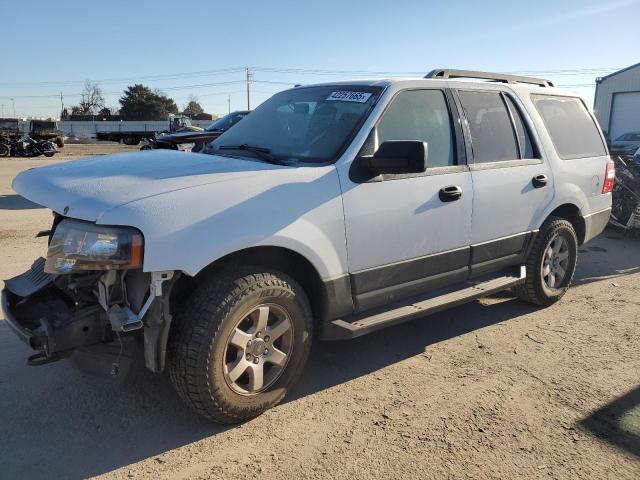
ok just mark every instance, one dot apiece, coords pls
pixel 618 422
pixel 608 256
pixel 17 202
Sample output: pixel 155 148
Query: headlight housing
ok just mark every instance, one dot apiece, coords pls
pixel 77 246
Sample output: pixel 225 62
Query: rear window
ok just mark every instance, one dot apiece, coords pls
pixel 572 130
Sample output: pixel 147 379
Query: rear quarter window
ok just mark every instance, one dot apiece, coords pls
pixel 572 130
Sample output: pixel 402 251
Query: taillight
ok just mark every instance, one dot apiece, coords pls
pixel 609 177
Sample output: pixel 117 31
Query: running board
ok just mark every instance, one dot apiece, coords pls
pixel 362 324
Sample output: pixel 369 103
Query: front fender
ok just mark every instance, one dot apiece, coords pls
pixel 295 208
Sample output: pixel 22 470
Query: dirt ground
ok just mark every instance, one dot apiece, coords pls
pixel 493 389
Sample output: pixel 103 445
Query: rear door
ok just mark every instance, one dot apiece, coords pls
pixel 512 185
pixel 402 238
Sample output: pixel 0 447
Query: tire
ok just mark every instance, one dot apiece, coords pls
pixel 202 355
pixel 4 150
pixel 49 154
pixel 146 147
pixel 130 140
pixel 60 142
pixel 539 288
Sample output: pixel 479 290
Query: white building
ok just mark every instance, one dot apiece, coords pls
pixel 617 101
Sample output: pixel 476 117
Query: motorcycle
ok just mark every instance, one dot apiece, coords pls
pixel 625 208
pixel 28 147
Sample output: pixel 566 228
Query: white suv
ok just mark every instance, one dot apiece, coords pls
pixel 331 211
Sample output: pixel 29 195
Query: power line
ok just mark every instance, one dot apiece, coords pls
pixel 170 76
pixel 285 70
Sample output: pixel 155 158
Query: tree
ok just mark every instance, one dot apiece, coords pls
pixel 193 107
pixel 65 114
pixel 142 103
pixel 105 112
pixel 91 100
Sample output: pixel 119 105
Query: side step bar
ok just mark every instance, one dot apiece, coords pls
pixel 363 324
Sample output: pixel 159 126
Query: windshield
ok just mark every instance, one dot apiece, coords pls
pixel 8 124
pixel 309 124
pixel 44 125
pixel 631 136
pixel 225 123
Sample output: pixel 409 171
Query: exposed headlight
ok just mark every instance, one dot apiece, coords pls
pixel 78 245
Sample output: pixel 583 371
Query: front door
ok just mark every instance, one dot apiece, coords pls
pixel 403 236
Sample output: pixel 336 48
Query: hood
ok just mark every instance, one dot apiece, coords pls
pixel 85 189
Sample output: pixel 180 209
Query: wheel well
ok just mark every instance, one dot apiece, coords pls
pixel 277 258
pixel 572 213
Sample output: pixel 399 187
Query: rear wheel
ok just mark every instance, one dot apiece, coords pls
pixel 240 344
pixel 551 263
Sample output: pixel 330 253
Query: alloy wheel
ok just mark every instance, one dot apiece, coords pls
pixel 555 262
pixel 258 349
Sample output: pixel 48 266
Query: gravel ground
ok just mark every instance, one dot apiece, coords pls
pixel 492 389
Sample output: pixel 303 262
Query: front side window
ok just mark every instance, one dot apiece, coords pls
pixel 573 132
pixel 493 138
pixel 421 115
pixel 308 124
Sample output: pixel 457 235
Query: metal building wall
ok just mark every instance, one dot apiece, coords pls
pixel 626 80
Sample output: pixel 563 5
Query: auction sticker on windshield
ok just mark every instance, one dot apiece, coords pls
pixel 347 96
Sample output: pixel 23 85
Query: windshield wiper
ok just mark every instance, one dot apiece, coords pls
pixel 260 152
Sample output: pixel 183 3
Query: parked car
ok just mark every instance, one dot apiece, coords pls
pixel 46 130
pixel 195 141
pixel 625 212
pixel 627 143
pixel 331 211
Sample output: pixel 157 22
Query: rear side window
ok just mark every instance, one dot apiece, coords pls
pixel 492 135
pixel 421 115
pixel 524 139
pixel 572 131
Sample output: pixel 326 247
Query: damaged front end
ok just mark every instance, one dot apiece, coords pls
pixel 625 211
pixel 90 290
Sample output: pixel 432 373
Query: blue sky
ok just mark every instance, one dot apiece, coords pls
pixel 201 47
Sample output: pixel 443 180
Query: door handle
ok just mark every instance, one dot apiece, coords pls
pixel 450 193
pixel 539 181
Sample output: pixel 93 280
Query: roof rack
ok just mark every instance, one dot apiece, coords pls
pixel 496 77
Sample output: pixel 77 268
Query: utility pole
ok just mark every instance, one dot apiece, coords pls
pixel 249 76
pixel 229 102
pixel 13 102
pixel 61 105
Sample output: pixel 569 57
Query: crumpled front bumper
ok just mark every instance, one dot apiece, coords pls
pixel 42 316
pixel 22 333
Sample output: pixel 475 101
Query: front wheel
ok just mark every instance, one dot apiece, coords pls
pixel 551 263
pixel 240 344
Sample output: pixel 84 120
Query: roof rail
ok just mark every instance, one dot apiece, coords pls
pixel 496 77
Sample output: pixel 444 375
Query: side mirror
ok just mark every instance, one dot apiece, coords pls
pixel 399 156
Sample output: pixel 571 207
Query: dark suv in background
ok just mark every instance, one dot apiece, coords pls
pixel 626 143
pixel 195 141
